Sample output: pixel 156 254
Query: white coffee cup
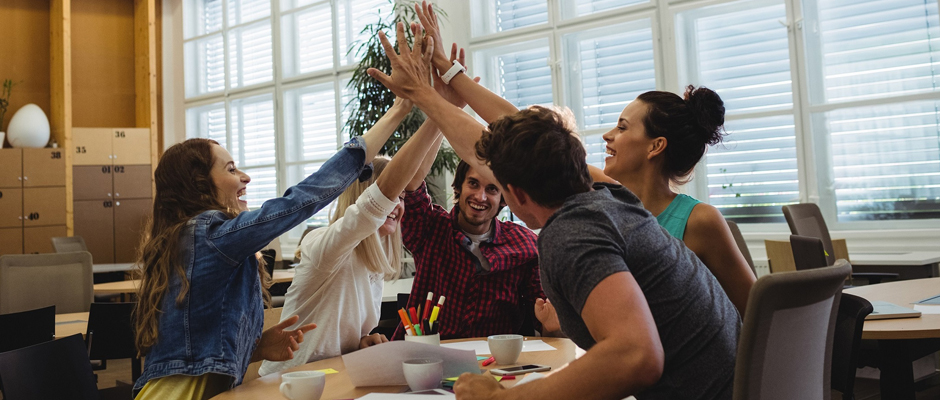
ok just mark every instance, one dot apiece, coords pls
pixel 303 385
pixel 434 339
pixel 423 373
pixel 505 348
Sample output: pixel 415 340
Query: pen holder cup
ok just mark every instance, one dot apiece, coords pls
pixel 434 339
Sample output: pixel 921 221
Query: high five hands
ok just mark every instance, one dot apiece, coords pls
pixel 410 69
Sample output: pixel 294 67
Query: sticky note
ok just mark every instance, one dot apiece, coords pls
pixel 328 371
pixel 481 358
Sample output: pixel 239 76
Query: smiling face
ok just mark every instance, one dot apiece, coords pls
pixel 478 201
pixel 394 218
pixel 229 181
pixel 628 145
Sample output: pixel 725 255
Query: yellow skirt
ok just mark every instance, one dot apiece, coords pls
pixel 185 387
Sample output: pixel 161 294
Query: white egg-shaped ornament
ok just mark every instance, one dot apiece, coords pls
pixel 29 127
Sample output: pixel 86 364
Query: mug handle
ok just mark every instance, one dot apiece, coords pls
pixel 285 390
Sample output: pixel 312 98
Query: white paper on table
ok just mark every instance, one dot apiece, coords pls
pixel 927 309
pixel 406 396
pixel 380 365
pixel 481 347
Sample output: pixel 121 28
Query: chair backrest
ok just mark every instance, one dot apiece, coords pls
pixel 26 328
pixel 808 252
pixel 29 281
pixel 846 341
pixel 69 244
pixel 805 219
pixel 742 245
pixel 784 351
pixel 110 334
pixel 57 369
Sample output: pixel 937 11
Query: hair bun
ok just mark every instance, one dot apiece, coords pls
pixel 708 110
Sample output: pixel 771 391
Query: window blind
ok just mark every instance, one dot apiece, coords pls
pixel 352 17
pixel 512 14
pixel 607 71
pixel 208 122
pixel 205 66
pixel 250 55
pixel 577 8
pixel 241 11
pixel 253 124
pixel 525 77
pixel 307 41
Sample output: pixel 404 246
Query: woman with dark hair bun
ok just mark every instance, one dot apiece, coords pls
pixel 654 147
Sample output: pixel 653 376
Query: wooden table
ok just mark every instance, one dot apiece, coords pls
pixel 70 324
pixel 903 340
pixel 338 386
pixel 106 268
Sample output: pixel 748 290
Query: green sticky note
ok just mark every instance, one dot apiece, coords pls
pixel 479 358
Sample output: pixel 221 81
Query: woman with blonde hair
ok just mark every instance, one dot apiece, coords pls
pixel 342 268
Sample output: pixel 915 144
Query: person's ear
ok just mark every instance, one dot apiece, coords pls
pixel 657 147
pixel 518 195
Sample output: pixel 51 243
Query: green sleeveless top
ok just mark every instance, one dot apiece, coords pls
pixel 676 216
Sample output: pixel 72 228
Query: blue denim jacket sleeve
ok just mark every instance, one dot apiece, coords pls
pixel 250 231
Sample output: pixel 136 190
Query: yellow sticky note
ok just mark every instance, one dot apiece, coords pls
pixel 498 378
pixel 328 371
pixel 454 379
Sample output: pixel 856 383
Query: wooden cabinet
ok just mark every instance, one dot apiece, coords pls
pixel 112 190
pixel 32 199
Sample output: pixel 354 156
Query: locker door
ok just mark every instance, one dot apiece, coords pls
pixel 131 146
pixel 132 182
pixel 11 208
pixel 44 206
pixel 11 168
pixel 11 241
pixel 91 146
pixel 43 167
pixel 92 182
pixel 94 222
pixel 39 239
pixel 130 218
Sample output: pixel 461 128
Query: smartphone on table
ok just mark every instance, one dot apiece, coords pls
pixel 519 370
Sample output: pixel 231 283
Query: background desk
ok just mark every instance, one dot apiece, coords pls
pixel 338 386
pixel 903 340
pixel 70 324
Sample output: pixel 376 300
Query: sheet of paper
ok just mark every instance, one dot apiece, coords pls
pixel 480 346
pixel 380 365
pixel 927 309
pixel 407 396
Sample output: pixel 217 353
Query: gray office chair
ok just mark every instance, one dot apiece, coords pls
pixel 30 281
pixel 808 252
pixel 742 245
pixel 785 348
pixel 846 343
pixel 69 244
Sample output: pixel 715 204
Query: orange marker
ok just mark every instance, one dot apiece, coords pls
pixel 406 322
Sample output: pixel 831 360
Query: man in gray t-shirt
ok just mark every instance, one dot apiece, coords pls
pixel 605 231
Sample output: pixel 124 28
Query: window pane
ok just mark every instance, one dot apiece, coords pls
pixel 253 130
pixel 606 69
pixel 207 122
pixel 754 172
pixel 886 161
pixel 519 72
pixel 310 114
pixel 874 48
pixel 492 16
pixel 241 11
pixel 250 55
pixel 297 173
pixel 263 186
pixel 596 149
pixel 292 4
pixel 307 41
pixel 577 8
pixel 205 65
pixel 742 54
pixel 352 16
pixel 348 95
pixel 201 17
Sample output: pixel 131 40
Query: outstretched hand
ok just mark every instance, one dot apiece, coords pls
pixel 279 344
pixel 410 69
pixel 428 19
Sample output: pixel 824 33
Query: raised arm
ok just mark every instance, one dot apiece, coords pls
pixel 401 170
pixel 409 80
pixel 486 104
pixel 379 133
pixel 428 161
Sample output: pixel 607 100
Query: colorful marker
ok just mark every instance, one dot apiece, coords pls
pixel 427 305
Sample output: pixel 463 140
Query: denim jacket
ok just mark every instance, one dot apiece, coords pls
pixel 217 326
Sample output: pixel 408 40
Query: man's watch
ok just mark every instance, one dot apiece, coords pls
pixel 453 71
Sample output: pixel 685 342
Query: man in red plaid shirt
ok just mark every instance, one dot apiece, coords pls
pixel 487 269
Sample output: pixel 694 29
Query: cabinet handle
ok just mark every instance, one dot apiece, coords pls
pixel 25 178
pixel 117 203
pixel 117 195
pixel 109 194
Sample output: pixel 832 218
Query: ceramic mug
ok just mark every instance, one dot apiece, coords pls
pixel 505 348
pixel 423 373
pixel 434 339
pixel 303 385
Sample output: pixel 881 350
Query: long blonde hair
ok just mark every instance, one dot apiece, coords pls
pixel 184 190
pixel 370 248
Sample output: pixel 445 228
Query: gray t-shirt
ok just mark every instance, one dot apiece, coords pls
pixel 605 231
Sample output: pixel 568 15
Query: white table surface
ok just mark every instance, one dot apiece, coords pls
pixel 392 289
pixel 118 267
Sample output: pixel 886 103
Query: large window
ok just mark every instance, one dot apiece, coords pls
pixel 266 79
pixel 830 101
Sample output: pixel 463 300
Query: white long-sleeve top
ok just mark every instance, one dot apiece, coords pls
pixel 332 286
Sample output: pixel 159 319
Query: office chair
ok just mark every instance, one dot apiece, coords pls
pixel 69 244
pixel 846 343
pixel 742 245
pixel 53 370
pixel 808 252
pixel 29 281
pixel 26 328
pixel 785 347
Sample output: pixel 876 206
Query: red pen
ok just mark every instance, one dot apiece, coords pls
pixel 489 361
pixel 427 306
pixel 508 377
pixel 414 316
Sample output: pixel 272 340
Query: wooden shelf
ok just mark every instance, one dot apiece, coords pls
pixel 87 63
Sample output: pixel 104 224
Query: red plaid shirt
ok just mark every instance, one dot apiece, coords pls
pixel 479 303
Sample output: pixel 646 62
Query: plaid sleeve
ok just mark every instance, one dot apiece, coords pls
pixel 417 220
